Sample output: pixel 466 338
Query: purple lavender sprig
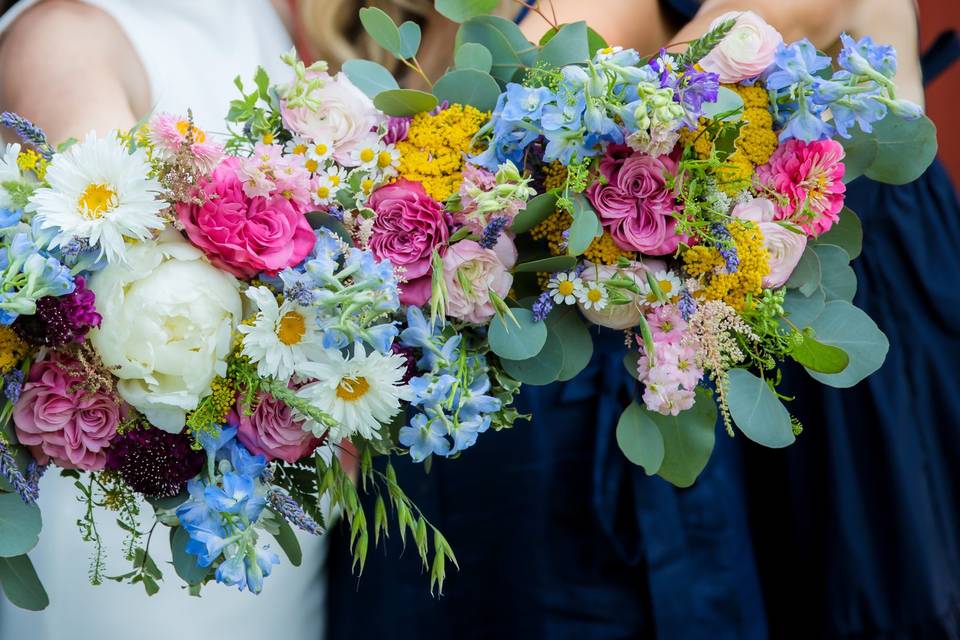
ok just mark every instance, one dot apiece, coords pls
pixel 9 471
pixel 293 512
pixel 30 132
pixel 726 246
pixel 542 307
pixel 491 233
pixel 13 385
pixel 687 305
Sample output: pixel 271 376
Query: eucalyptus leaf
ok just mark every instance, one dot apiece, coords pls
pixel 409 39
pixel 688 440
pixel 860 151
pixel 757 411
pixel 370 77
pixel 381 28
pixel 538 209
pixel 517 340
pixel 640 439
pixel 845 326
pixel 837 278
pixel 510 49
pixel 321 220
pixel 185 564
pixel 595 41
pixel 585 229
pixel 575 337
pixel 463 10
pixel 468 86
pixel 728 103
pixel 803 310
pixel 287 540
pixel 816 356
pixel 547 265
pixel 846 233
pixel 806 275
pixel 21 584
pixel 541 369
pixel 906 148
pixel 404 102
pixel 570 45
pixel 475 56
pixel 20 525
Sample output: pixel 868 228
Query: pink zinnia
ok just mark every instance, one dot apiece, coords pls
pixel 169 133
pixel 808 178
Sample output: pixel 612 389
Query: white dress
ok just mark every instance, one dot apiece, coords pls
pixel 191 50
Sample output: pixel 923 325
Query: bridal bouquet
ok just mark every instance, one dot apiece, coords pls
pixel 360 270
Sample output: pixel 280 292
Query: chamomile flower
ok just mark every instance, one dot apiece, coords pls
pixel 281 337
pixel 328 184
pixel 565 287
pixel 669 285
pixel 297 146
pixel 388 160
pixel 593 296
pixel 101 193
pixel 9 172
pixel 360 392
pixel 318 154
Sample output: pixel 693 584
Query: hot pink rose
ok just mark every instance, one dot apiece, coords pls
pixel 746 51
pixel 809 178
pixel 482 270
pixel 271 430
pixel 60 421
pixel 243 235
pixel 784 246
pixel 408 226
pixel 635 205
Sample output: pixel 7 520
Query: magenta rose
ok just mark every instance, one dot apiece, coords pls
pixel 242 235
pixel 635 205
pixel 61 421
pixel 271 430
pixel 408 226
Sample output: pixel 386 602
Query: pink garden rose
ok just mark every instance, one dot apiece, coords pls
pixel 408 226
pixel 483 270
pixel 807 173
pixel 746 51
pixel 635 205
pixel 62 422
pixel 271 430
pixel 784 246
pixel 244 235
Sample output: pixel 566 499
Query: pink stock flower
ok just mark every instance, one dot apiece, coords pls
pixel 272 431
pixel 666 323
pixel 61 421
pixel 746 51
pixel 471 272
pixel 170 133
pixel 268 173
pixel 670 375
pixel 635 205
pixel 244 235
pixel 408 226
pixel 808 178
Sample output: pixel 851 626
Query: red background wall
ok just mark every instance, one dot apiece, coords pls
pixel 943 95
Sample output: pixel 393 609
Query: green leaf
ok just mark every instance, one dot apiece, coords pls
pixel 538 209
pixel 541 369
pixel 150 585
pixel 575 337
pixel 409 39
pixel 860 151
pixel 185 564
pixel 906 149
pixel 21 584
pixel 463 10
pixel 473 56
pixel 381 28
pixel 370 77
pixel 547 265
pixel 287 540
pixel 322 220
pixel 468 86
pixel 517 340
pixel 688 440
pixel 845 326
pixel 20 525
pixel 816 356
pixel 837 278
pixel 846 233
pixel 510 49
pixel 640 439
pixel 586 226
pixel 568 46
pixel 595 41
pixel 404 102
pixel 806 275
pixel 803 310
pixel 757 411
pixel 729 104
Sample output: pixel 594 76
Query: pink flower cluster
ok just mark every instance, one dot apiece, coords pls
pixel 476 181
pixel 169 134
pixel 671 378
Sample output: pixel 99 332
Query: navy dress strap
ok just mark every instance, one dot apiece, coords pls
pixel 941 55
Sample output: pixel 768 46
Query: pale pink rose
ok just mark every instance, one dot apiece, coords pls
pixel 272 431
pixel 483 270
pixel 619 316
pixel 746 51
pixel 784 246
pixel 344 119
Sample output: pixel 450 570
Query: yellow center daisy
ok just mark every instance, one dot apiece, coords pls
pixel 367 155
pixel 96 200
pixel 594 295
pixel 352 388
pixel 291 328
pixel 565 288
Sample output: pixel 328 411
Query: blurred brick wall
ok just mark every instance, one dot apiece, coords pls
pixel 943 95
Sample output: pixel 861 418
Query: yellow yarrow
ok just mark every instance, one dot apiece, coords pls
pixel 433 153
pixel 554 175
pixel 707 265
pixel 222 396
pixel 12 349
pixel 30 160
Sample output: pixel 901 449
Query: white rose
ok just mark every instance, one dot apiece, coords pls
pixel 746 51
pixel 168 318
pixel 618 316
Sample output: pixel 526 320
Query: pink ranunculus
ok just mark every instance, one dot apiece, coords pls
pixel 408 226
pixel 61 421
pixel 807 173
pixel 635 205
pixel 746 51
pixel 483 270
pixel 784 246
pixel 244 235
pixel 272 431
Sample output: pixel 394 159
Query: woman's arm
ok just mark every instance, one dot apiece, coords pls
pixel 69 68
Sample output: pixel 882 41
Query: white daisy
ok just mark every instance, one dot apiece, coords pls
pixel 388 160
pixel 297 146
pixel 101 193
pixel 593 296
pixel 668 283
pixel 9 172
pixel 360 393
pixel 565 287
pixel 318 154
pixel 328 184
pixel 281 337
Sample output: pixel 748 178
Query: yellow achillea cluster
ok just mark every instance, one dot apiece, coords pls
pixel 434 150
pixel 12 349
pixel 222 397
pixel 707 265
pixel 30 160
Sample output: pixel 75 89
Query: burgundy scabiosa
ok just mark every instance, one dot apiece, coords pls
pixel 154 462
pixel 60 320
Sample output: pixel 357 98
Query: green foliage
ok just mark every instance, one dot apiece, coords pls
pixel 541 369
pixel 547 265
pixel 860 152
pixel 816 356
pixel 640 439
pixel 846 233
pixel 287 540
pixel 404 102
pixel 802 310
pixel 905 149
pixel 538 209
pixel 21 585
pixel 837 278
pixel 257 113
pixel 703 45
pixel 409 39
pixel 505 389
pixel 517 338
pixel 511 52
pixel 382 29
pixel 845 326
pixel 370 77
pixel 473 56
pixel 185 564
pixel 728 107
pixel 688 440
pixel 565 322
pixel 468 86
pixel 595 41
pixel 585 229
pixel 757 411
pixel 20 525
pixel 568 45
pixel 463 10
pixel 19 192
pixel 806 275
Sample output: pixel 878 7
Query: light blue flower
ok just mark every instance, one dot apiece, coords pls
pixel 46 277
pixel 381 336
pixel 795 63
pixel 860 57
pixel 424 438
pixel 467 431
pixel 213 442
pixel 9 217
pixel 525 102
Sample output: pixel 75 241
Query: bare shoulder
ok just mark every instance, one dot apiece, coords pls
pixel 67 65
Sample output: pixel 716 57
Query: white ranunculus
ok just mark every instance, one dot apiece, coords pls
pixel 746 51
pixel 784 246
pixel 168 319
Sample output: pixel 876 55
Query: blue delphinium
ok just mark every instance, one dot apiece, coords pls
pixel 28 273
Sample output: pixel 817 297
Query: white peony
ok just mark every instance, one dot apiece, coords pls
pixel 168 319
